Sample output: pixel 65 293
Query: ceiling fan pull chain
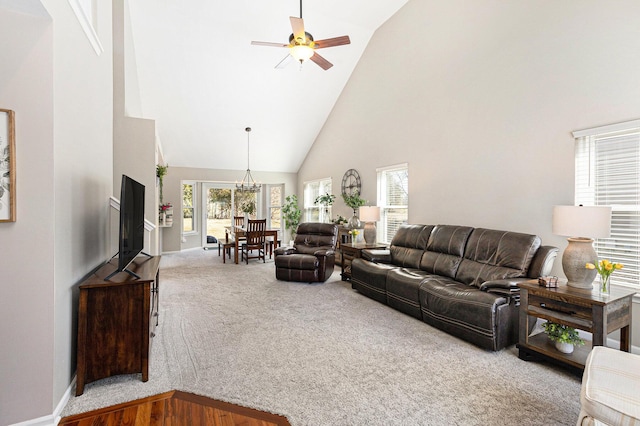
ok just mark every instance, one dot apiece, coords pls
pixel 300 9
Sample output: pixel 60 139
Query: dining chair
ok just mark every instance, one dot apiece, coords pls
pixel 255 240
pixel 226 246
pixel 238 221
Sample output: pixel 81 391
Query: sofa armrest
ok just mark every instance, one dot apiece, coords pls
pixel 284 250
pixel 377 256
pixel 324 252
pixel 510 284
pixel 542 262
pixel 507 288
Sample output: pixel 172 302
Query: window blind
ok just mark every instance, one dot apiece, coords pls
pixel 608 173
pixel 393 200
pixel 312 190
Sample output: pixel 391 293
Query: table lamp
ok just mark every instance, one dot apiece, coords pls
pixel 581 224
pixel 369 215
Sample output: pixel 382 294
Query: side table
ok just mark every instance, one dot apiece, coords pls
pixel 352 251
pixel 586 310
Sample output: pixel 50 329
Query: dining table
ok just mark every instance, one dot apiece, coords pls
pixel 239 232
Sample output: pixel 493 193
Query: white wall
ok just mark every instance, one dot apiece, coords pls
pixel 480 98
pixel 61 93
pixel 172 192
pixel 134 139
pixel 83 134
pixel 26 249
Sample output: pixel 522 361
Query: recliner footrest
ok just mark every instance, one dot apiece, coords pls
pixel 297 261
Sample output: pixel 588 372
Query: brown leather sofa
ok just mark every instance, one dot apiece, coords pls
pixel 460 279
pixel 312 256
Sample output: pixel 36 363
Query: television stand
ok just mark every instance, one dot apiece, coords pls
pixel 116 321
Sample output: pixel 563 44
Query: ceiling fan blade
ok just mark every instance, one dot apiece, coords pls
pixel 330 42
pixel 322 62
pixel 297 24
pixel 266 43
pixel 284 62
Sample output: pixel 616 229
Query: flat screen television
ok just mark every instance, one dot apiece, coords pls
pixel 131 234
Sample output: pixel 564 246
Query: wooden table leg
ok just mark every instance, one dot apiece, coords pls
pixel 625 338
pixel 235 251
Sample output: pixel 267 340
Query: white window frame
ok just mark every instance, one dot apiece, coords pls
pixel 324 186
pixel 593 167
pixel 194 207
pixel 384 233
pixel 270 207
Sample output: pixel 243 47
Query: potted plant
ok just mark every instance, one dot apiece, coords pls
pixel 325 200
pixel 354 201
pixel 248 207
pixel 565 337
pixel 340 220
pixel 291 214
pixel 161 171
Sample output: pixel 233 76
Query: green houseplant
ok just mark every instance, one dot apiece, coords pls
pixel 161 171
pixel 291 214
pixel 354 201
pixel 564 337
pixel 248 207
pixel 325 200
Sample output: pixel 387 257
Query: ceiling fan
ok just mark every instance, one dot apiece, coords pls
pixel 302 46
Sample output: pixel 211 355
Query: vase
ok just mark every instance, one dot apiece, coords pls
pixel 354 222
pixel 565 348
pixel 605 285
pixel 327 218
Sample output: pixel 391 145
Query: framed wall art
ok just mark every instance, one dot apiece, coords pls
pixel 7 166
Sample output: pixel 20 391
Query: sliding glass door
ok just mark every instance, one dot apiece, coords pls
pixel 221 202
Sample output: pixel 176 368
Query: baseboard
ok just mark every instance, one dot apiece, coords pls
pixel 54 418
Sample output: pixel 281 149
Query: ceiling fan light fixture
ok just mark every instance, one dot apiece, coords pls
pixel 301 52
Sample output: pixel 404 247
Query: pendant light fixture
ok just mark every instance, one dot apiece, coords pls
pixel 248 184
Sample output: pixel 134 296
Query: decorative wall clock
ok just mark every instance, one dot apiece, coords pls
pixel 351 182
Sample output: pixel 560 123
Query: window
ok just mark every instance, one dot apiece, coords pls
pixel 315 212
pixel 275 206
pixel 188 207
pixel 608 173
pixel 393 200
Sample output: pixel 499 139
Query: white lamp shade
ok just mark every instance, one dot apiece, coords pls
pixel 582 221
pixel 369 213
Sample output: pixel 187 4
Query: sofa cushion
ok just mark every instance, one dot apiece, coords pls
pixel 461 310
pixel 445 249
pixel 370 278
pixel 496 255
pixel 408 245
pixel 403 290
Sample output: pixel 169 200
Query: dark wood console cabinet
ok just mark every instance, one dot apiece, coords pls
pixel 116 320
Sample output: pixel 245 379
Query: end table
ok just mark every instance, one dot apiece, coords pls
pixel 586 310
pixel 352 251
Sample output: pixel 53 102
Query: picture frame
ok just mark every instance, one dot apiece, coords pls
pixel 7 166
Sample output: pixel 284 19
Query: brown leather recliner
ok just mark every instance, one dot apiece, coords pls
pixel 312 256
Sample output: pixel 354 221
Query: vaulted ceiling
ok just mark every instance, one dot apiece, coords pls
pixel 203 82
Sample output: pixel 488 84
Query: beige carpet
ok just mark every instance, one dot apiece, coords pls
pixel 322 354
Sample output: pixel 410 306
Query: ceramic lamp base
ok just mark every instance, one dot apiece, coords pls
pixel 370 232
pixel 578 253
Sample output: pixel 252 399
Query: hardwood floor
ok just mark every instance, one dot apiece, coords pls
pixel 175 408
